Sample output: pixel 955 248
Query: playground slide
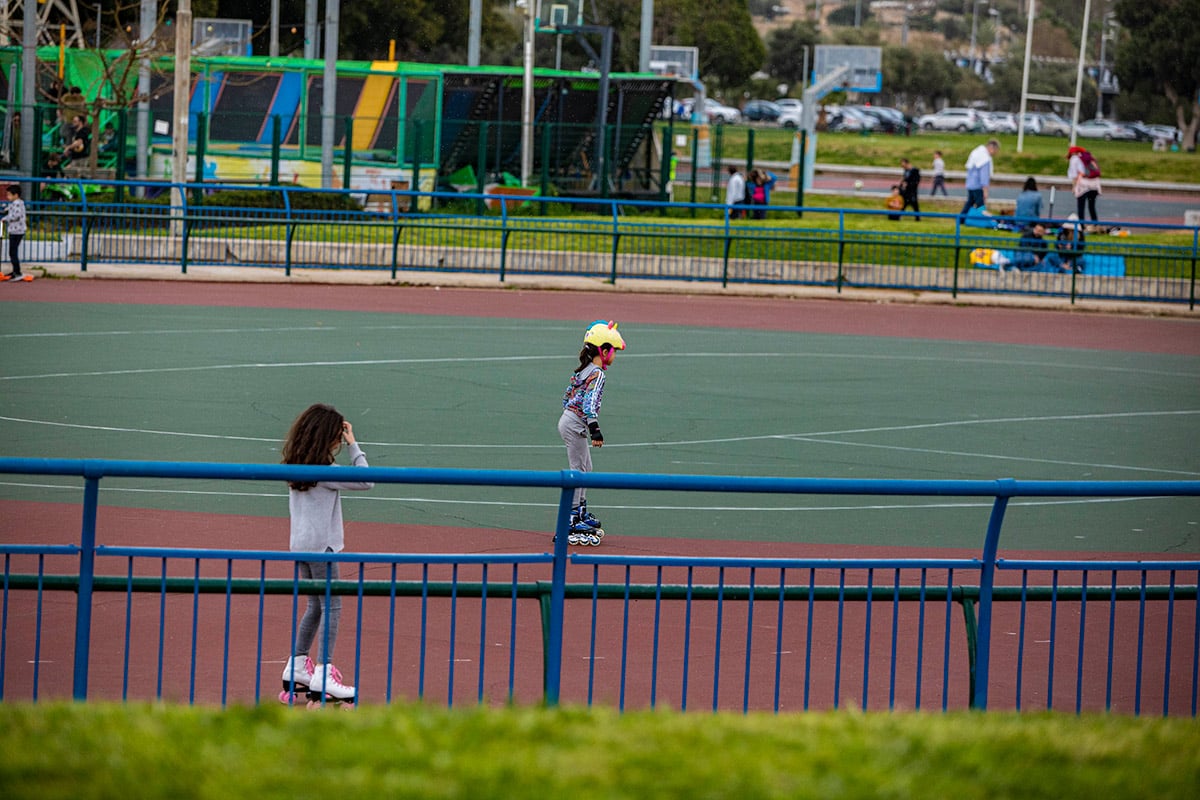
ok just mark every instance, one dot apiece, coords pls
pixel 371 104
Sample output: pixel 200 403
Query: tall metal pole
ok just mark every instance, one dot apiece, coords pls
pixel 1087 13
pixel 474 27
pixel 329 92
pixel 310 29
pixel 183 74
pixel 1025 74
pixel 274 47
pixel 28 84
pixel 146 28
pixel 647 36
pixel 527 99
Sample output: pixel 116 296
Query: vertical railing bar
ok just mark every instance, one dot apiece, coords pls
pixel 946 640
pixel 1053 640
pixel 87 572
pixel 162 628
pixel 808 634
pixel 1112 638
pixel 591 682
pixel 512 635
pixel 624 638
pixel 895 635
pixel 687 639
pixel 391 638
pixel 655 640
pixel 1168 648
pixel 453 634
pixel 779 637
pixel 37 628
pixel 358 626
pixel 841 621
pixel 258 648
pixel 1079 654
pixel 920 640
pixel 1137 693
pixel 749 645
pixel 1021 634
pixel 228 620
pixel 128 629
pixel 482 631
pixel 195 631
pixel 4 623
pixel 867 637
pixel 424 630
pixel 717 642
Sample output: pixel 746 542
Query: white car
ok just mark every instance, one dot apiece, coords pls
pixel 790 116
pixel 951 119
pixel 716 113
pixel 999 122
pixel 1104 129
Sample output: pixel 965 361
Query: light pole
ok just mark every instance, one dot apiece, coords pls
pixel 98 9
pixel 1105 35
pixel 975 30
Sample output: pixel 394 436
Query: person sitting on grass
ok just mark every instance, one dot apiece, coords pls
pixel 1070 243
pixel 1034 253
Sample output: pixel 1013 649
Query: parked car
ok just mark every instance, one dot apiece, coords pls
pixel 716 112
pixel 888 120
pixel 1143 132
pixel 1166 133
pixel 1105 129
pixel 761 111
pixel 848 118
pixel 999 122
pixel 789 103
pixel 790 115
pixel 951 119
pixel 1047 124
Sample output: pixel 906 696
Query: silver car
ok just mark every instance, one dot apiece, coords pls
pixel 1105 129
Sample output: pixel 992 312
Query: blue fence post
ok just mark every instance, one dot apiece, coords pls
pixel 616 242
pixel 87 571
pixel 288 234
pixel 841 276
pixel 554 642
pixel 1195 254
pixel 503 239
pixel 987 578
pixel 85 231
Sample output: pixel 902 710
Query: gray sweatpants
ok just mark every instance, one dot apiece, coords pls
pixel 574 434
pixel 316 614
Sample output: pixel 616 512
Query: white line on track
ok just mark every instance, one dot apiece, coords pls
pixel 940 360
pixel 281 496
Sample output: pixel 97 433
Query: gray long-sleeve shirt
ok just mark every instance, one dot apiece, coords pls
pixel 317 512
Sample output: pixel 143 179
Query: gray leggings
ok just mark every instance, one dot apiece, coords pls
pixel 310 624
pixel 574 434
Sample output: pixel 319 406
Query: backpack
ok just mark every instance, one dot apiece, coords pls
pixel 1090 168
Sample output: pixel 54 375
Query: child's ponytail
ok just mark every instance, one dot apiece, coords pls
pixel 586 355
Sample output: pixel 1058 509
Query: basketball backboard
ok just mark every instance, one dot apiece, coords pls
pixel 865 65
pixel 555 14
pixel 675 62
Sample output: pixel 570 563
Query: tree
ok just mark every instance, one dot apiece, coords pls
pixel 1158 55
pixel 785 48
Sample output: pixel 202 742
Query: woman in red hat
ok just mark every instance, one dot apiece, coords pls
pixel 1084 174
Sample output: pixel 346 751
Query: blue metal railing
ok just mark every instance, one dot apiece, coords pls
pixel 987 596
pixel 608 239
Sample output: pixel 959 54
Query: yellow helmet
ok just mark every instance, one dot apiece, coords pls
pixel 601 333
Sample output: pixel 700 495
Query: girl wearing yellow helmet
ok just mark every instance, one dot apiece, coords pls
pixel 579 425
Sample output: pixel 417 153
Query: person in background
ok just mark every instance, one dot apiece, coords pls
pixel 939 174
pixel 910 187
pixel 735 192
pixel 1029 204
pixel 761 183
pixel 979 175
pixel 14 218
pixel 1084 174
pixel 1070 243
pixel 1034 253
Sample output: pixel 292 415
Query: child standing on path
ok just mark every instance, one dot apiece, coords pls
pixel 316 527
pixel 14 217
pixel 939 174
pixel 580 420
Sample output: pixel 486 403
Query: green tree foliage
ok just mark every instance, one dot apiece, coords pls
pixel 785 51
pixel 1161 55
pixel 919 79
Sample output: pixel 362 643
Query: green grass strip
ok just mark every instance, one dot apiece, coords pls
pixel 122 751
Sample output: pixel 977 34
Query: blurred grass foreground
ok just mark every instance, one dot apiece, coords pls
pixel 99 750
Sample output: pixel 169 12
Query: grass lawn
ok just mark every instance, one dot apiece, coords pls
pixel 95 750
pixel 1041 155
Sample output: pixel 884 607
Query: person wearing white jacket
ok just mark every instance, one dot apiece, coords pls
pixel 14 218
pixel 979 175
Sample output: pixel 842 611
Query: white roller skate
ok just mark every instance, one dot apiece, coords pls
pixel 327 686
pixel 297 675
